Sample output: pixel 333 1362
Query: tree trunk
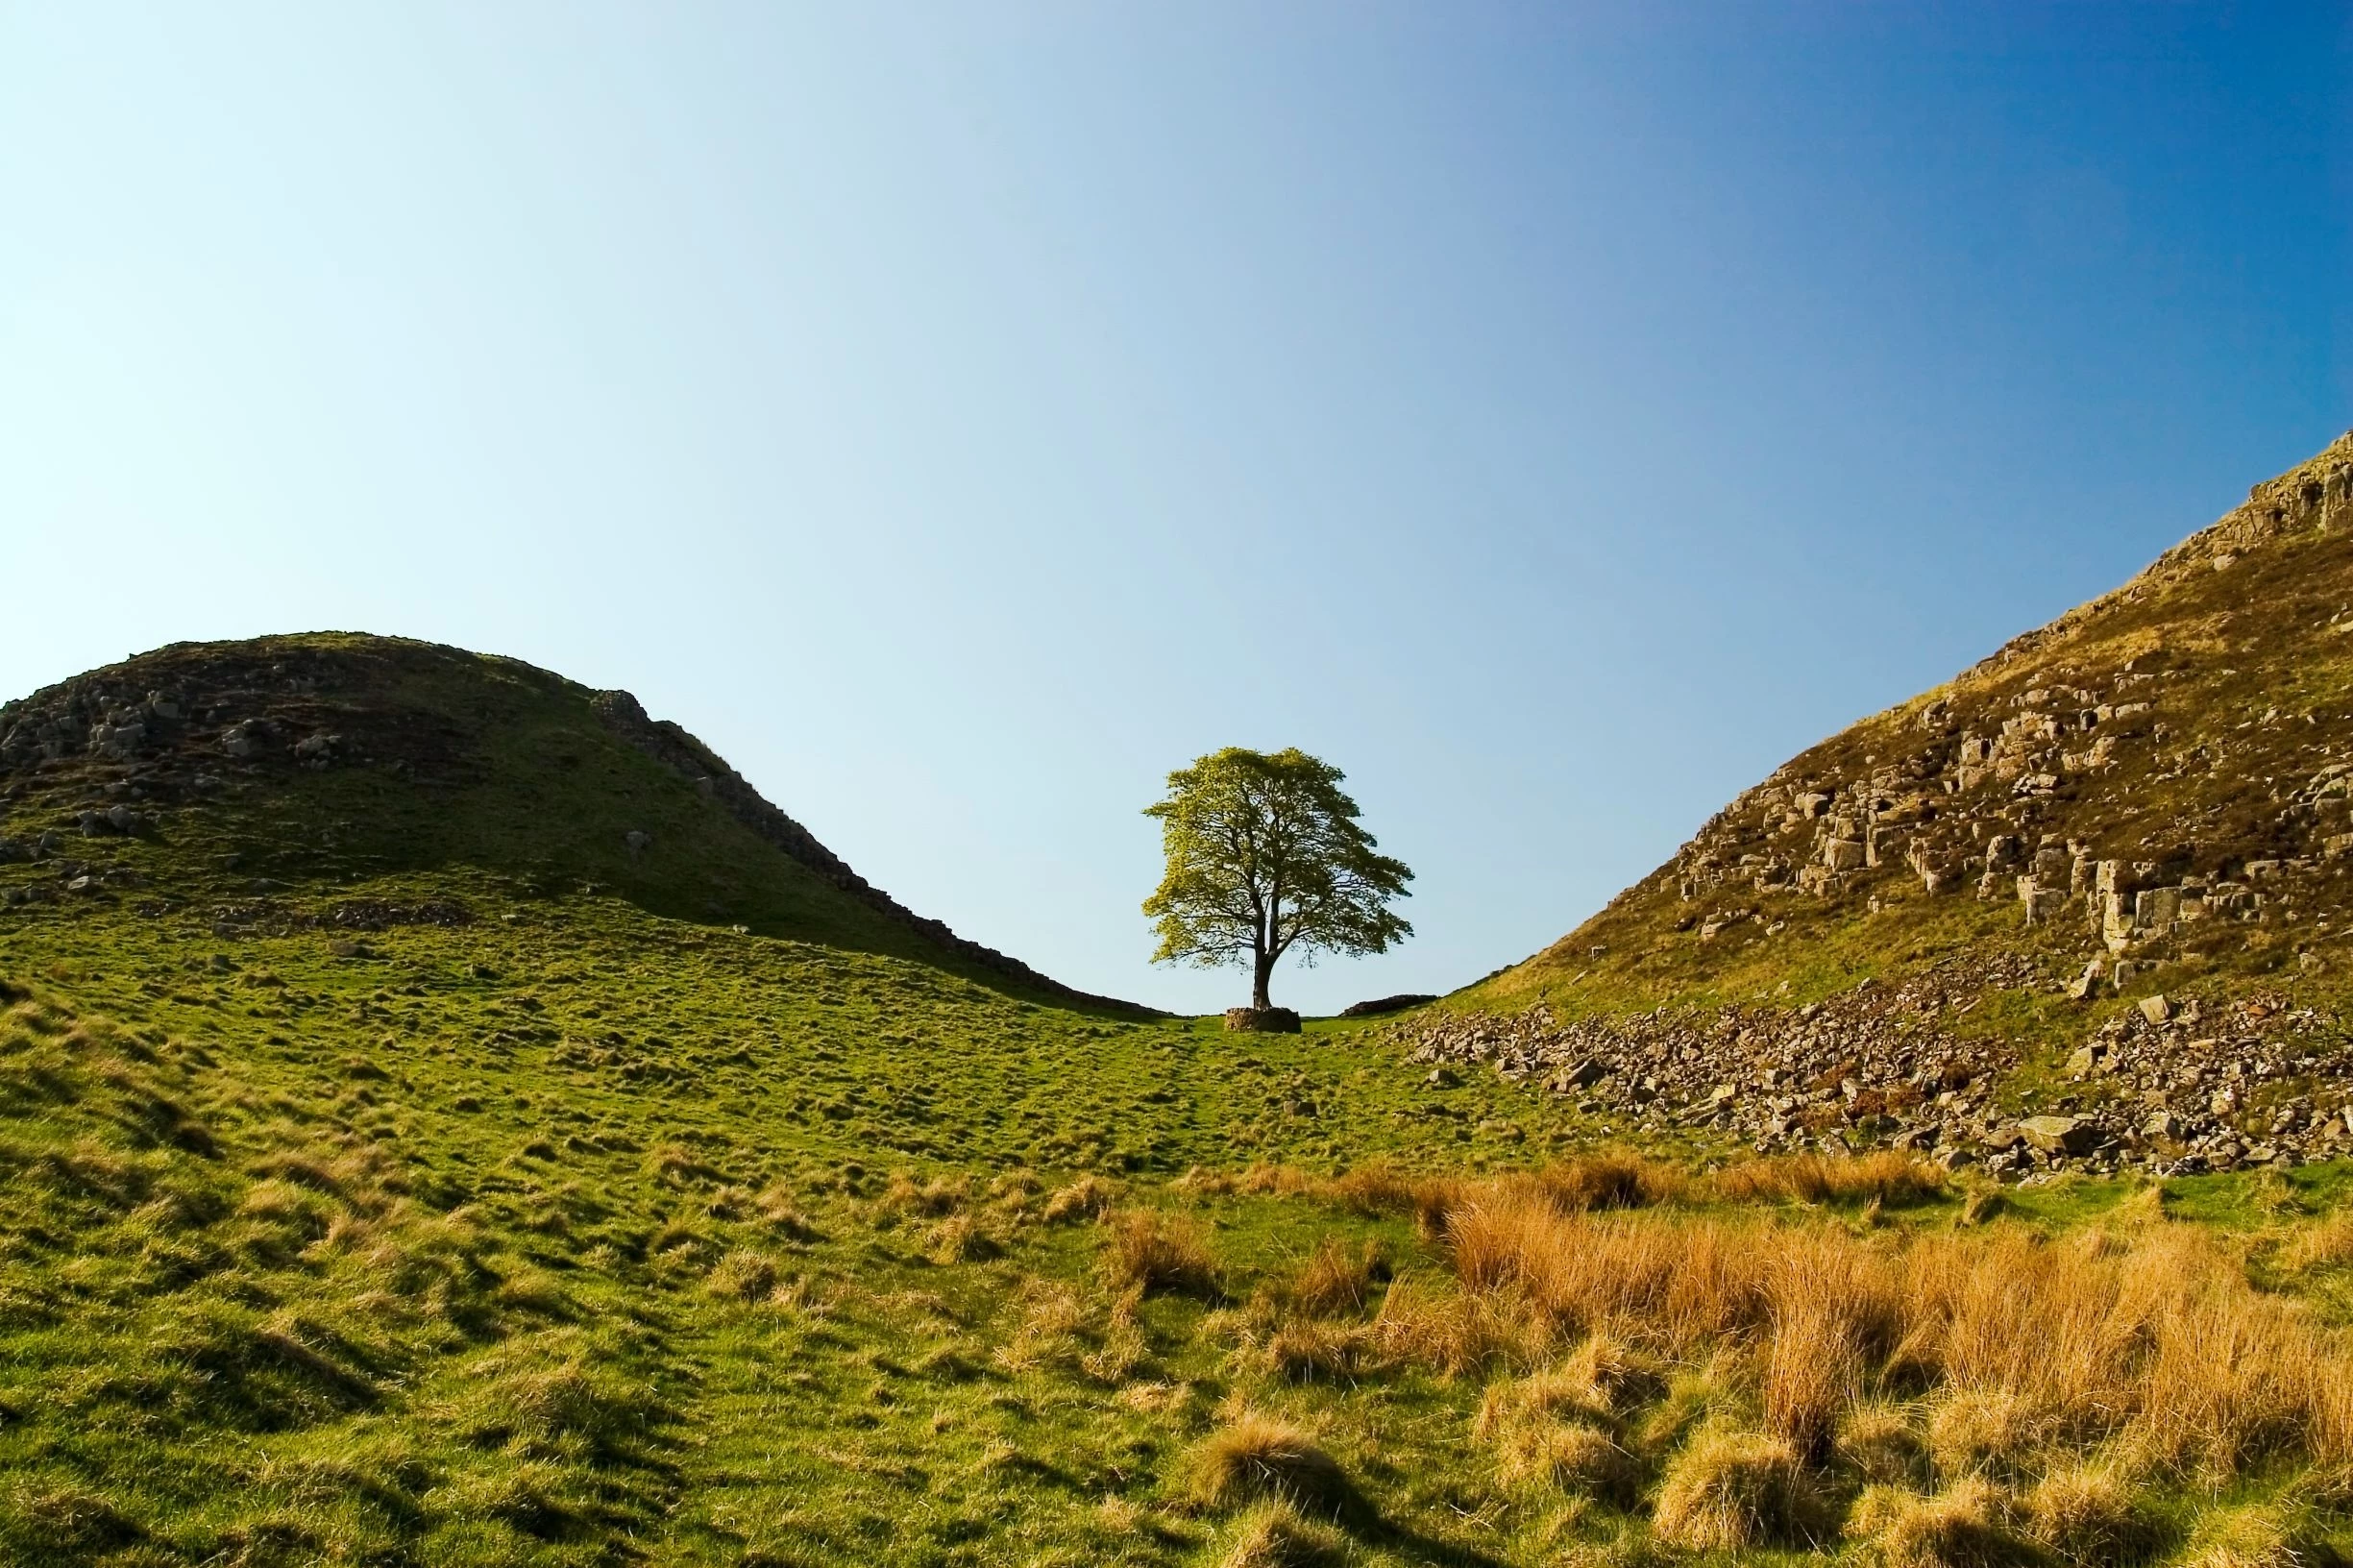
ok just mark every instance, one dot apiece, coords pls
pixel 1262 970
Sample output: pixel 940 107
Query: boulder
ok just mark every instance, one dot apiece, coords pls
pixel 2085 984
pixel 2042 900
pixel 2060 1134
pixel 2156 909
pixel 1263 1020
pixel 1583 1075
pixel 317 751
pixel 246 736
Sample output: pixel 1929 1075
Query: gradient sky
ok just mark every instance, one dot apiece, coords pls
pixel 959 416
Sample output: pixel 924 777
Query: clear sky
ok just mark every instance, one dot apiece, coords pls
pixel 1556 416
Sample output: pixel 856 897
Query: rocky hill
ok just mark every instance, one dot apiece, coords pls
pixel 2101 874
pixel 223 773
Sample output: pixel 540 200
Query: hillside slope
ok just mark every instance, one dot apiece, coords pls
pixel 218 771
pixel 2150 801
pixel 401 1165
pixel 448 1118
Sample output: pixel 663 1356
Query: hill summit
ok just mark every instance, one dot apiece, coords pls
pixel 230 770
pixel 2104 869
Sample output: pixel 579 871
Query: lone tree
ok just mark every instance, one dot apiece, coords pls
pixel 1265 855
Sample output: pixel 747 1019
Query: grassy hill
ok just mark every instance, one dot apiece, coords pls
pixel 225 769
pixel 2124 834
pixel 405 1166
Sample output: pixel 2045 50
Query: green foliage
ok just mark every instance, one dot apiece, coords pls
pixel 1264 856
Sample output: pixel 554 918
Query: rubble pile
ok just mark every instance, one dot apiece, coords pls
pixel 2165 1087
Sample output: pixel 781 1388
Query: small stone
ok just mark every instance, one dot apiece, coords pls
pixel 2156 1009
pixel 245 738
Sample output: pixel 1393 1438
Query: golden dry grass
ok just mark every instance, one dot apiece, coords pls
pixel 1254 1457
pixel 1965 1526
pixel 1726 1491
pixel 1554 1429
pixel 1546 1398
pixel 2329 1244
pixel 1880 1443
pixel 2092 1513
pixel 1338 1280
pixel 2020 1350
pixel 1454 1332
pixel 1580 1460
pixel 1148 1250
pixel 1611 1180
pixel 1884 1175
pixel 1307 1349
pixel 1090 1197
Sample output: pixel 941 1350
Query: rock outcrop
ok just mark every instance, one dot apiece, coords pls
pixel 2152 793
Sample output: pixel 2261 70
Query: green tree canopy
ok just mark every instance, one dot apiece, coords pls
pixel 1266 856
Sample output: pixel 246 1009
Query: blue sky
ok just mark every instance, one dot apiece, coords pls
pixel 1555 416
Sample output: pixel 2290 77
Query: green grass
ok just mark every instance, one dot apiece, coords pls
pixel 288 1223
pixel 683 1208
pixel 586 1235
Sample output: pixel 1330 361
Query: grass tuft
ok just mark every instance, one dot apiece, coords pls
pixel 1273 1535
pixel 1254 1457
pixel 1150 1250
pixel 1965 1526
pixel 1729 1491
